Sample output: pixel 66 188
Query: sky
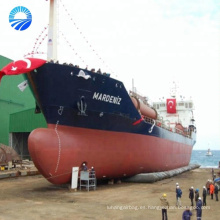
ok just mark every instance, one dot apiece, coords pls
pixel 153 42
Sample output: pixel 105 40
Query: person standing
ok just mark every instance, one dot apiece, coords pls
pixel 212 188
pixel 204 193
pixel 216 192
pixel 191 195
pixel 84 167
pixel 196 195
pixel 187 214
pixel 164 206
pixel 214 176
pixel 199 209
pixel 92 172
pixel 177 184
pixel 213 172
pixel 208 186
pixel 178 196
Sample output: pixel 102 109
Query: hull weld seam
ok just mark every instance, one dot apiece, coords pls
pixel 59 145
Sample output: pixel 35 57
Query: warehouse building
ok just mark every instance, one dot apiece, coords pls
pixel 17 112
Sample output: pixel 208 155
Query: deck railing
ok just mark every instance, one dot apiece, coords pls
pixel 160 123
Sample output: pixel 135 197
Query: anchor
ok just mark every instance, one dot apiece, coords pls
pixel 82 106
pixel 151 129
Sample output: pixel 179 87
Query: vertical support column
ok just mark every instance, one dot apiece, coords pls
pixel 52 32
pixel 10 140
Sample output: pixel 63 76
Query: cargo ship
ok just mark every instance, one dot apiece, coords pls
pixel 93 119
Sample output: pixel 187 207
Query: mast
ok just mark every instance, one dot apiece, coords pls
pixel 52 32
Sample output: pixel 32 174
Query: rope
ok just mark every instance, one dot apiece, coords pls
pixel 83 36
pixel 75 53
pixel 38 42
pixel 42 36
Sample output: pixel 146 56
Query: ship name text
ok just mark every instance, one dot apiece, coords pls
pixel 107 98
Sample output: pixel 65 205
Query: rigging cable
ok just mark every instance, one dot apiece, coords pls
pixel 83 36
pixel 72 47
pixel 38 42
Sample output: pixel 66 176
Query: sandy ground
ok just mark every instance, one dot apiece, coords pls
pixel 33 197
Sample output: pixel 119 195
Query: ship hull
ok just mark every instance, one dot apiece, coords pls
pixel 56 149
pixel 91 118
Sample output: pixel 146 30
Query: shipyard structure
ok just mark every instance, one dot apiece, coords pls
pixel 18 108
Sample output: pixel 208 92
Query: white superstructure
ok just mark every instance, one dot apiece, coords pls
pixel 183 114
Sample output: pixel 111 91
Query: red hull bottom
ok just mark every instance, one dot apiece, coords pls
pixel 56 149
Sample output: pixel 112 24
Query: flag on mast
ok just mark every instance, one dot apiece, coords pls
pixel 171 106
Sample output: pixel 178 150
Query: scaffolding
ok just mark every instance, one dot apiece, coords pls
pixel 88 179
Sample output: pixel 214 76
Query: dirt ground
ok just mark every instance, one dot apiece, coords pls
pixel 33 197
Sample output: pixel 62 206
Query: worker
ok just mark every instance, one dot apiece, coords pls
pixel 212 188
pixel 84 167
pixel 164 206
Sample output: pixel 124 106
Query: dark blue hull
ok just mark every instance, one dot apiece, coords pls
pixel 99 102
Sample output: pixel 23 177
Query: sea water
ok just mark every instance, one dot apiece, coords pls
pixel 199 157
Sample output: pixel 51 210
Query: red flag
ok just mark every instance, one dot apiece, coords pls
pixel 171 106
pixel 1 75
pixel 21 66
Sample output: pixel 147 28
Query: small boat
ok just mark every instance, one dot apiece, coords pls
pixel 209 153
